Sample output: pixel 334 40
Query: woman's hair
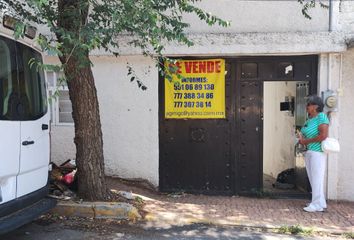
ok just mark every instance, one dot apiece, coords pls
pixel 316 100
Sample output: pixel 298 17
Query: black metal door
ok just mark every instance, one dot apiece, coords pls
pixel 195 154
pixel 249 129
pixel 225 156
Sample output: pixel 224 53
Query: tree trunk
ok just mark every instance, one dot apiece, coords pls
pixel 88 134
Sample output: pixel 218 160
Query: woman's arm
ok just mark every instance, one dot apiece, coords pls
pixel 323 129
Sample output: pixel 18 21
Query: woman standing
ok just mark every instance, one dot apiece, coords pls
pixel 314 131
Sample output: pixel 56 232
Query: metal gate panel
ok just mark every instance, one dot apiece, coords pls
pixel 250 135
pixel 195 154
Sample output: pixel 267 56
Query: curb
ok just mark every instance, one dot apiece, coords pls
pixel 100 210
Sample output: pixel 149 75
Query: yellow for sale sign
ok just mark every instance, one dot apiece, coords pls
pixel 200 93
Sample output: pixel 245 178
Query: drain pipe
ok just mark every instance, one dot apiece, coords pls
pixel 330 17
pixel 330 29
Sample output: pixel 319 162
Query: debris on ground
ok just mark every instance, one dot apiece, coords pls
pixel 177 194
pixel 133 183
pixel 64 186
pixel 127 195
pixel 285 179
pixel 63 180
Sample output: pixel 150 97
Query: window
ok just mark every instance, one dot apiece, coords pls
pixel 22 88
pixel 60 104
pixel 7 82
pixel 33 95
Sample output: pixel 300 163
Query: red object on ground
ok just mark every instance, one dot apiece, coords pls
pixel 69 178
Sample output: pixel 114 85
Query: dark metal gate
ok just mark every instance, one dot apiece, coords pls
pixel 250 132
pixel 195 154
pixel 225 156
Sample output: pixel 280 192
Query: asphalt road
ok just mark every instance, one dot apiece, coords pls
pixel 68 229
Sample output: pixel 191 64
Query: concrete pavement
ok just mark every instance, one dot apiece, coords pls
pixel 175 210
pixel 251 212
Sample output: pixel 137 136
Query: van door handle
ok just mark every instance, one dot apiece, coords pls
pixel 45 126
pixel 25 143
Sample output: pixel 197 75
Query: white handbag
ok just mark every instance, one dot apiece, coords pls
pixel 330 145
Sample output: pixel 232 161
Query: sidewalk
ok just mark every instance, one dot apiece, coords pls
pixel 252 212
pixel 242 211
pixel 163 210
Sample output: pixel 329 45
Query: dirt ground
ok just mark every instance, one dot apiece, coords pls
pixel 140 187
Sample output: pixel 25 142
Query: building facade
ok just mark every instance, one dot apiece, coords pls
pixel 271 51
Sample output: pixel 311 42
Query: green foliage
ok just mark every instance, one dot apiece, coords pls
pixel 349 235
pixel 19 31
pixel 134 77
pixel 170 69
pixel 45 67
pixel 309 4
pixel 295 229
pixel 78 27
pixel 139 200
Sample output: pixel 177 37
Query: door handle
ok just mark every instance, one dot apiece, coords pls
pixel 45 126
pixel 25 143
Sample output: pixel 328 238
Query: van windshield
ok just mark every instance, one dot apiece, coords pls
pixel 22 88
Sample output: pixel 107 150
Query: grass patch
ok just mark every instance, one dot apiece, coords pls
pixel 349 235
pixel 295 230
pixel 139 200
pixel 139 203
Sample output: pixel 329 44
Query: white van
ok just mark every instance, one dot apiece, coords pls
pixel 24 132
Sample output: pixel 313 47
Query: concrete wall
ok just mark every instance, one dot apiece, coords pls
pixel 62 144
pixel 346 130
pixel 257 28
pixel 260 16
pixel 344 16
pixel 278 129
pixel 129 118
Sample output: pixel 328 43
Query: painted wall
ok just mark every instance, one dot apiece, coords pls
pixel 258 28
pixel 62 144
pixel 278 129
pixel 260 16
pixel 344 16
pixel 129 118
pixel 346 130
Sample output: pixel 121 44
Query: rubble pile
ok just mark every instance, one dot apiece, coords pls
pixel 63 180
